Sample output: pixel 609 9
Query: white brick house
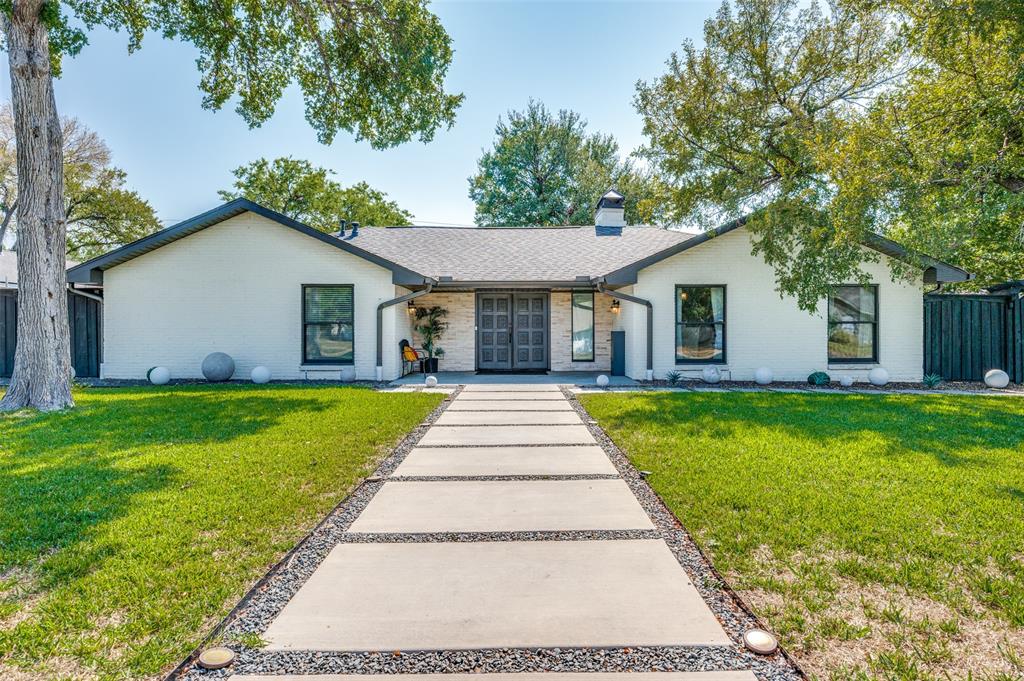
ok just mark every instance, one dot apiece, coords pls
pixel 638 301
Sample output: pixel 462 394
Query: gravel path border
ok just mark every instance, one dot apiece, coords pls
pixel 271 593
pixel 242 627
pixel 734 614
pixel 469 537
pixel 697 386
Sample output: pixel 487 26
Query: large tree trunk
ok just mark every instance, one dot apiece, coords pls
pixel 42 361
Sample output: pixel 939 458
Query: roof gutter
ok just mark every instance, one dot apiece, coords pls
pixel 650 321
pixel 380 321
pixel 79 292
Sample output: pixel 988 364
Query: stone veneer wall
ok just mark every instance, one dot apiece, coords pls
pixel 459 341
pixel 561 333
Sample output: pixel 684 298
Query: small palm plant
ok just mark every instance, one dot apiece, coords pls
pixel 932 380
pixel 431 325
pixel 673 377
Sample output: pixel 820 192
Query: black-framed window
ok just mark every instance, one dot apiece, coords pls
pixel 583 326
pixel 700 324
pixel 853 324
pixel 328 331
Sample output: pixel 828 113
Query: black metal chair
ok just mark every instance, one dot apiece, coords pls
pixel 411 357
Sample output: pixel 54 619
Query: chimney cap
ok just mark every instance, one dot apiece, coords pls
pixel 611 199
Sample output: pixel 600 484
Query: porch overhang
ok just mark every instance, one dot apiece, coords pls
pixel 449 284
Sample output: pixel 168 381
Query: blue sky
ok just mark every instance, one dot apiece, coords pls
pixel 585 56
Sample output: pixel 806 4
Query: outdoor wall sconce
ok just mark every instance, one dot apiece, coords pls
pixel 615 307
pixel 411 307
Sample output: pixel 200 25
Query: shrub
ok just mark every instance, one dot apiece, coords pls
pixel 673 377
pixel 932 380
pixel 819 378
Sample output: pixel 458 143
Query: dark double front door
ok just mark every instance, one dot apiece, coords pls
pixel 512 331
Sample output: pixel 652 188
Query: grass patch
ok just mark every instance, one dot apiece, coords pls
pixel 880 536
pixel 131 524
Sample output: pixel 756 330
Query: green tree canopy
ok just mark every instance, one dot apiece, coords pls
pixel 744 127
pixel 546 169
pixel 938 162
pixel 307 193
pixel 374 68
pixel 101 212
pixel 824 126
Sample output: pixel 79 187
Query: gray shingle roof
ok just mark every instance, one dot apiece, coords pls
pixel 521 254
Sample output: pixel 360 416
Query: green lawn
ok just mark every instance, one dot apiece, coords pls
pixel 880 536
pixel 130 525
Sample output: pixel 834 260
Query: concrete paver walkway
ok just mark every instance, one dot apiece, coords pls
pixel 479 461
pixel 406 585
pixel 529 404
pixel 503 506
pixel 515 418
pixel 484 436
pixel 473 595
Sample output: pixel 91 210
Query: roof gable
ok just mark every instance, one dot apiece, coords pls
pixel 935 271
pixel 92 270
pixel 563 256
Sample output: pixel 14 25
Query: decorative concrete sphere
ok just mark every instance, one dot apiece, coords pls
pixel 348 374
pixel 218 366
pixel 73 373
pixel 878 376
pixel 260 374
pixel 431 381
pixel 602 381
pixel 997 378
pixel 846 380
pixel 159 375
pixel 764 376
pixel 711 375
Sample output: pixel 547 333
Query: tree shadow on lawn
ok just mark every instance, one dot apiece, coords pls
pixel 902 425
pixel 913 484
pixel 64 475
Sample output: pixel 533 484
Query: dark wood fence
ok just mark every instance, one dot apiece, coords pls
pixel 966 335
pixel 86 318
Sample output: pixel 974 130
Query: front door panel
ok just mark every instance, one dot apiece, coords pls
pixel 494 329
pixel 530 331
pixel 512 331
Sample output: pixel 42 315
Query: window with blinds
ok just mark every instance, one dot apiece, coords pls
pixel 328 316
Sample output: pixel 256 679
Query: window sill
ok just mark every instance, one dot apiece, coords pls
pixel 854 365
pixel 324 367
pixel 701 365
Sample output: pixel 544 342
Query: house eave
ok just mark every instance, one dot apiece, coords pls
pixel 444 284
pixel 935 270
pixel 91 271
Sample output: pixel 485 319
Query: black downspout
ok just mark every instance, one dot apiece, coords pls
pixel 380 322
pixel 650 322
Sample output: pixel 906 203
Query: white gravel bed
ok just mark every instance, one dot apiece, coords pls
pixel 660 659
pixel 463 537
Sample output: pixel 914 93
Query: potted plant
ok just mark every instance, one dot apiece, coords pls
pixel 431 325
